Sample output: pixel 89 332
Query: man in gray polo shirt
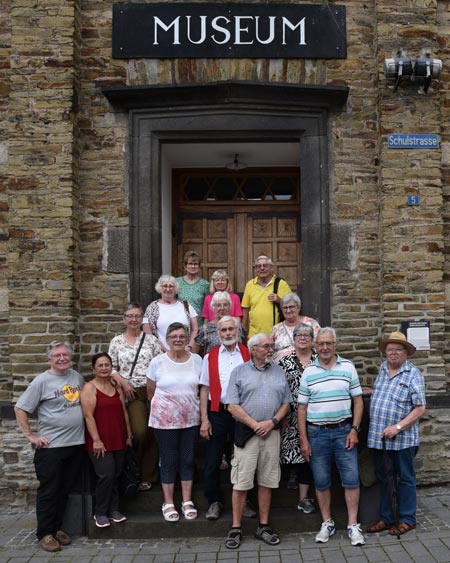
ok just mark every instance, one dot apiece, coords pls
pixel 55 395
pixel 258 397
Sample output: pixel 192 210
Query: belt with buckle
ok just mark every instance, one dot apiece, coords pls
pixel 331 425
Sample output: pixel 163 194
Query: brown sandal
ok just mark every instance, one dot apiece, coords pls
pixel 401 529
pixel 377 527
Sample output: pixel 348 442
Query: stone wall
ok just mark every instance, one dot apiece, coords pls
pixel 43 194
pixel 5 87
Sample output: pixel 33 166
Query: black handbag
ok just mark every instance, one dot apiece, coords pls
pixel 129 478
pixel 242 434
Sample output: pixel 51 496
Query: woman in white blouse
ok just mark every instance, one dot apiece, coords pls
pixel 173 389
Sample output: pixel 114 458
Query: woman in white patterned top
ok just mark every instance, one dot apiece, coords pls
pixel 123 350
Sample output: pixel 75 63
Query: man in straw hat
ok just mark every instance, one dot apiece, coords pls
pixel 396 406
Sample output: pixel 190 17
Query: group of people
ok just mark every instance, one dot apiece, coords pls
pixel 284 396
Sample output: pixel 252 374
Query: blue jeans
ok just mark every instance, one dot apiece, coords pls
pixel 222 424
pixel 403 461
pixel 326 444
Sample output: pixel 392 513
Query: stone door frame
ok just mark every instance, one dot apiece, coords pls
pixel 210 113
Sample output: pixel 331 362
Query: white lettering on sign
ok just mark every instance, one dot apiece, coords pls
pixel 224 30
pixel 176 31
pixel 271 31
pixel 202 30
pixel 293 27
pixel 238 30
pixel 413 141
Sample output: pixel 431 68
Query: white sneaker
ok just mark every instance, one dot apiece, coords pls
pixel 355 534
pixel 326 530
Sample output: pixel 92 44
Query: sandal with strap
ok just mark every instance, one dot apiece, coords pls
pixel 234 538
pixel 401 529
pixel 190 513
pixel 170 515
pixel 267 535
pixel 378 527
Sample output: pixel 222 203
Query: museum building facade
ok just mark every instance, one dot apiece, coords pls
pixel 316 133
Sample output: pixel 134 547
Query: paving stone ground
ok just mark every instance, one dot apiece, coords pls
pixel 430 542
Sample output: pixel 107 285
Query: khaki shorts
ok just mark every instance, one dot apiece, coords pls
pixel 260 457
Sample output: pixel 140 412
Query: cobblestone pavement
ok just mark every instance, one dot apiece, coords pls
pixel 430 542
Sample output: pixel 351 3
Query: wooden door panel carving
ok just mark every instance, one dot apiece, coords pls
pixel 230 234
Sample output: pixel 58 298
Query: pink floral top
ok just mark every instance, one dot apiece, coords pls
pixel 123 354
pixel 176 402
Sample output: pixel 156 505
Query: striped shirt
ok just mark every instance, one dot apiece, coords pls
pixel 329 392
pixel 391 401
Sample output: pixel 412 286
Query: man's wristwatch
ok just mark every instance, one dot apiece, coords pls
pixel 355 427
pixel 399 428
pixel 275 421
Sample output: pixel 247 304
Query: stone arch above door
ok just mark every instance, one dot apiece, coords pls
pixel 229 111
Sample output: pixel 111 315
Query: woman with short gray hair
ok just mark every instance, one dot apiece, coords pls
pixel 168 309
pixel 282 333
pixel 293 364
pixel 173 381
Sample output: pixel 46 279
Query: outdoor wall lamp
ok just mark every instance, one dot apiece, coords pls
pixel 398 67
pixel 427 68
pixel 424 68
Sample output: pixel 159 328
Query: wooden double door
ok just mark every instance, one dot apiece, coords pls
pixel 232 218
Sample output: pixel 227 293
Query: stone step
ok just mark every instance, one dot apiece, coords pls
pixel 151 525
pixel 145 520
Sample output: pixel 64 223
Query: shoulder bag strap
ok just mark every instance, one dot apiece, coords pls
pixel 276 283
pixel 137 354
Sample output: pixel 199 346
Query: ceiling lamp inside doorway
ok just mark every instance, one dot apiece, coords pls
pixel 236 164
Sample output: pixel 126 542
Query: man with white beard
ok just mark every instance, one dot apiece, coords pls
pixel 217 424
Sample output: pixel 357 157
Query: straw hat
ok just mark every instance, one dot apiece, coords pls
pixel 397 338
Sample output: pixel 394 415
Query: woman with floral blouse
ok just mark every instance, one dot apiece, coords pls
pixel 123 350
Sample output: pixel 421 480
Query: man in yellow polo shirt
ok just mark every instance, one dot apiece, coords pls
pixel 259 303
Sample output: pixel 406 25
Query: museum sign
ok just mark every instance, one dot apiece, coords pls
pixel 204 30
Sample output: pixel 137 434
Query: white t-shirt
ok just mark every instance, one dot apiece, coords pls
pixel 171 313
pixel 176 402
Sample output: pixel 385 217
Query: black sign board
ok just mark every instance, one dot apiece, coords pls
pixel 203 30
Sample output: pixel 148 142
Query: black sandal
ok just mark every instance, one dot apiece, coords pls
pixel 234 538
pixel 267 535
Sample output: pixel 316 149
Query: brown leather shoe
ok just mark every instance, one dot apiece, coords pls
pixel 49 543
pixel 63 538
pixel 377 527
pixel 402 528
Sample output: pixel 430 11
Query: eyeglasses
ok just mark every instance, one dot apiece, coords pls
pixel 193 264
pixel 168 286
pixel 101 366
pixel 396 352
pixel 303 336
pixel 63 355
pixel 177 337
pixel 323 344
pixel 265 346
pixel 134 317
pixel 289 307
pixel 259 266
pixel 227 329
